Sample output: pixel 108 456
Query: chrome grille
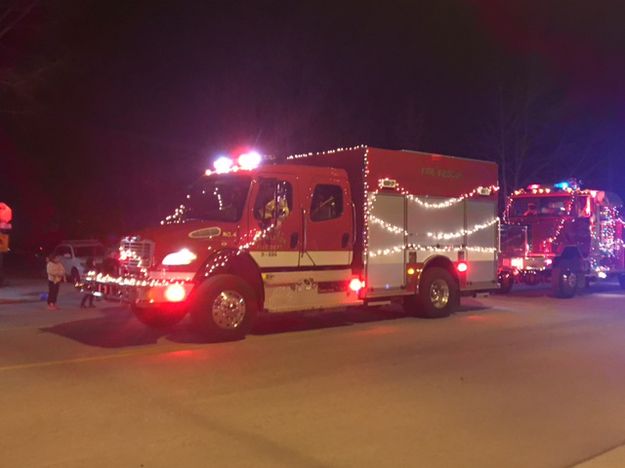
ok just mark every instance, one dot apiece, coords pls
pixel 136 253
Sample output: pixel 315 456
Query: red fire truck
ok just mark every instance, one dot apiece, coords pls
pixel 348 227
pixel 561 234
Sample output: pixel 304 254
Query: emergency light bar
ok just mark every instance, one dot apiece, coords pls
pixel 565 185
pixel 246 161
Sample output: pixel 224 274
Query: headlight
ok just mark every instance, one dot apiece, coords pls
pixel 182 257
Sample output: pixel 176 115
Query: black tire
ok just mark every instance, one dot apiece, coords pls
pixel 506 283
pixel 159 318
pixel 224 307
pixel 429 303
pixel 564 282
pixel 621 281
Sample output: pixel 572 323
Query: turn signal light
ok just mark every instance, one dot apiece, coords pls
pixel 175 293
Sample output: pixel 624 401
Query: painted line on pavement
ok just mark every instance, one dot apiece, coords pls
pixel 62 362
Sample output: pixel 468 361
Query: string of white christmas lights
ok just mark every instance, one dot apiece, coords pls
pixel 383 183
pixel 551 239
pixel 321 153
pixel 463 232
pixel 387 226
pixel 176 217
pixel 438 236
pixel 129 280
pixel 430 248
pixel 367 205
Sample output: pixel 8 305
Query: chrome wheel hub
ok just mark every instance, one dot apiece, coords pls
pixel 228 310
pixel 439 293
pixel 570 279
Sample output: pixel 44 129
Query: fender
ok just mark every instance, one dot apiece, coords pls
pixel 436 261
pixel 232 262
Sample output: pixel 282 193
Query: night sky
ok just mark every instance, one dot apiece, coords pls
pixel 109 110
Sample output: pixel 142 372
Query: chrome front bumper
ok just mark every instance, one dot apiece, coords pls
pixel 150 290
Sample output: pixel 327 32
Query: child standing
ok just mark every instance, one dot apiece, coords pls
pixel 56 273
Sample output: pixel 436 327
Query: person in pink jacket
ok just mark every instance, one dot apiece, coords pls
pixel 56 273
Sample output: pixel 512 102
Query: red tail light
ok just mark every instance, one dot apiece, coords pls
pixel 462 267
pixel 356 284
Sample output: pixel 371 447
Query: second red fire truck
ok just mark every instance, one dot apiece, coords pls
pixel 350 227
pixel 561 234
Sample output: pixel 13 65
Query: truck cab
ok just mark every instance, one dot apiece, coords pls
pixel 276 225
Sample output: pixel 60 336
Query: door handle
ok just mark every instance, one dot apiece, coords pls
pixel 344 240
pixel 294 239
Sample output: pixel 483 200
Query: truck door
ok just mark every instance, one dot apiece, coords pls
pixel 328 224
pixel 276 210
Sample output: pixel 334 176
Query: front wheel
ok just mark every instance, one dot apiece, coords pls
pixel 564 282
pixel 224 307
pixel 438 296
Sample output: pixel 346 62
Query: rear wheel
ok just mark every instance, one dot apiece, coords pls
pixel 564 282
pixel 438 294
pixel 224 307
pixel 506 282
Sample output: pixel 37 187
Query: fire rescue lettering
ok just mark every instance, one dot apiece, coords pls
pixel 442 173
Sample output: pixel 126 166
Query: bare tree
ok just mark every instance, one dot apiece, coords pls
pixel 21 71
pixel 527 134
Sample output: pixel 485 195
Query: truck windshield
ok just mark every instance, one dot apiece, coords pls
pixel 217 198
pixel 540 206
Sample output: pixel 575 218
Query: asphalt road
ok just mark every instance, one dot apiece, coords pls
pixel 519 381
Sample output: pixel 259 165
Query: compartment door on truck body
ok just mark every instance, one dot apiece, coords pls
pixel 482 259
pixel 424 224
pixel 276 207
pixel 328 224
pixel 386 264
